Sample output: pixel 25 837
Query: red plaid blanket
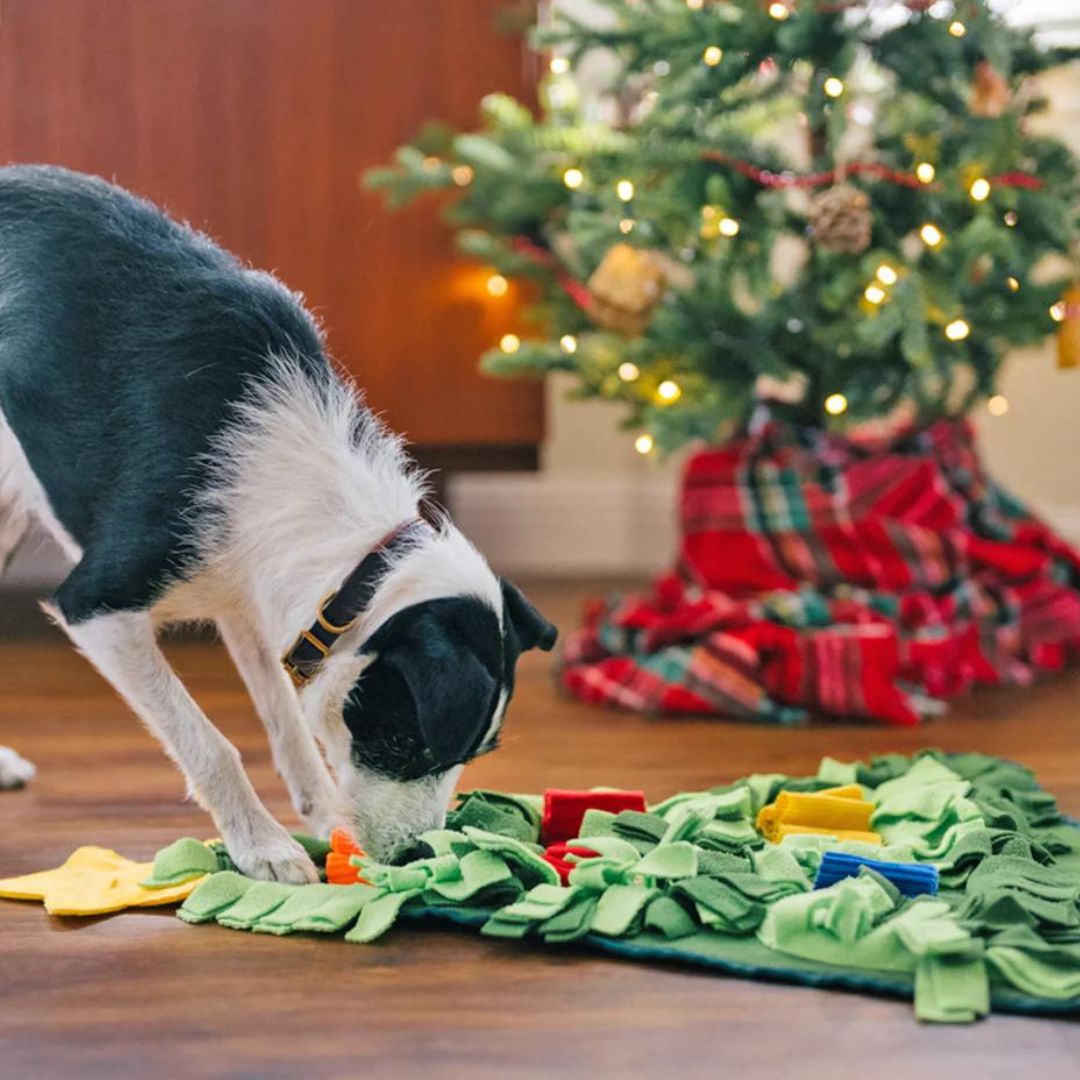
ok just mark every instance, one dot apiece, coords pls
pixel 818 575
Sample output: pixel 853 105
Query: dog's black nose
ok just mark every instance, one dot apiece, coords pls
pixel 409 851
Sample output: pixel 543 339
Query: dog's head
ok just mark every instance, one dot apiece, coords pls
pixel 429 695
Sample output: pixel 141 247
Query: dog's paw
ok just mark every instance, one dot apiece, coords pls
pixel 15 771
pixel 321 821
pixel 276 858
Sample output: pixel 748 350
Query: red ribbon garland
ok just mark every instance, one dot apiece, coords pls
pixel 770 179
pixel 573 288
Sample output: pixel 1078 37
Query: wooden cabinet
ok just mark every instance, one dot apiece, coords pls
pixel 255 119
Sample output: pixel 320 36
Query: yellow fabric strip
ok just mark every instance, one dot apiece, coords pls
pixel 93 881
pixel 842 812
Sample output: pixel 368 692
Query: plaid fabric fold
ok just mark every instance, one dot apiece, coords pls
pixel 823 576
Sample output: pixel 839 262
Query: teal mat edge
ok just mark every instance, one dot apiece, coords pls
pixel 651 946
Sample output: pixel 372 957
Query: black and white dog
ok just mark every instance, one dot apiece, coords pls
pixel 171 418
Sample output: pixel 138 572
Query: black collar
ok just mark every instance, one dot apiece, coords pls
pixel 340 610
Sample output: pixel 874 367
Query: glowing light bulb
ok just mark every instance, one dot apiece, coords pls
pixel 462 175
pixel 835 404
pixel 957 330
pixel 668 391
pixel 931 235
pixel 1013 283
pixel 510 343
pixel 559 65
pixel 874 293
pixel 625 190
pixel 712 55
pixel 998 405
pixel 497 285
pixel 728 227
pixel 643 444
pixel 568 343
pixel 779 11
pixel 886 274
pixel 833 86
pixel 573 178
pixel 1011 218
pixel 626 225
pixel 1057 311
pixel 957 28
pixel 980 189
pixel 695 5
pixel 431 164
pixel 628 372
pixel 925 172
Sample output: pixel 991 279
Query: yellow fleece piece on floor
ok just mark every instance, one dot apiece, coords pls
pixel 94 881
pixel 842 812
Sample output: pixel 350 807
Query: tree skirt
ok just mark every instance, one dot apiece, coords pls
pixel 949 879
pixel 822 576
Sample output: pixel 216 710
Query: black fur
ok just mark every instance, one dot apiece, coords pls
pixel 427 700
pixel 125 341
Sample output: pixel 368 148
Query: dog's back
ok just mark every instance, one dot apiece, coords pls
pixel 126 339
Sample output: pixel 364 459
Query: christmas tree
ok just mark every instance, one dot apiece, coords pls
pixel 836 206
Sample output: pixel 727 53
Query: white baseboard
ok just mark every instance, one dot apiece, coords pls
pixel 38 564
pixel 539 526
pixel 569 526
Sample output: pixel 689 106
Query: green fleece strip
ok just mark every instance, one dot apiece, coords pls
pixel 262 898
pixel 572 923
pixel 181 861
pixel 1035 966
pixel 378 915
pixel 299 904
pixel 527 860
pixel 951 989
pixel 481 812
pixel 477 871
pixel 338 910
pixel 667 916
pixel 215 894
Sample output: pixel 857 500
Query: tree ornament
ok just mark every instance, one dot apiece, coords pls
pixel 1068 337
pixel 990 95
pixel 840 219
pixel 625 288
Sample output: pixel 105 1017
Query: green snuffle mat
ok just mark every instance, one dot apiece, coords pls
pixel 693 881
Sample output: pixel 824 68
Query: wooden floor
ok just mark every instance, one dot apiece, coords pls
pixel 144 995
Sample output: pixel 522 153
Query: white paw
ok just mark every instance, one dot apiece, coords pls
pixel 321 821
pixel 15 771
pixel 275 857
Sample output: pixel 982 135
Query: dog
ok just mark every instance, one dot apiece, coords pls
pixel 172 418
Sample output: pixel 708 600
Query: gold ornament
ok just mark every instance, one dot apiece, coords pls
pixel 840 219
pixel 625 288
pixel 990 94
pixel 1068 339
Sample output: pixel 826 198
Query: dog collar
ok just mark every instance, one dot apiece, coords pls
pixel 339 611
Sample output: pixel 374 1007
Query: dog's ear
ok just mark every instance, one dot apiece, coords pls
pixel 532 629
pixel 426 700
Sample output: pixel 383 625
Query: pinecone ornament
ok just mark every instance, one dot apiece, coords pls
pixel 840 219
pixel 625 288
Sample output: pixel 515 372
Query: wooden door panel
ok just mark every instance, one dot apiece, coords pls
pixel 255 119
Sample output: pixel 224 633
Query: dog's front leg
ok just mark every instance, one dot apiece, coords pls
pixel 296 756
pixel 123 647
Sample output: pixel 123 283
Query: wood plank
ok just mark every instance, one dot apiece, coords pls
pixel 140 994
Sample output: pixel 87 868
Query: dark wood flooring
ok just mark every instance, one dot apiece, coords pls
pixel 143 995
